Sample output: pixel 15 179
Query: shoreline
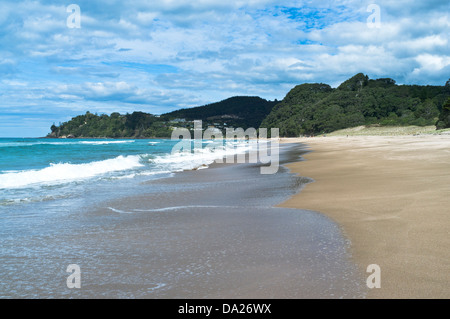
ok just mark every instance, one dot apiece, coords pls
pixel 389 194
pixel 200 234
pixel 316 264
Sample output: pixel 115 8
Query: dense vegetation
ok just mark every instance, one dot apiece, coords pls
pixel 240 111
pixel 310 109
pixel 444 117
pixel 137 124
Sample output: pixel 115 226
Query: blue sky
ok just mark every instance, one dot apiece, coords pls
pixel 158 56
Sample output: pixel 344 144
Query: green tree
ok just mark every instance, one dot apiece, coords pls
pixel 444 117
pixel 357 101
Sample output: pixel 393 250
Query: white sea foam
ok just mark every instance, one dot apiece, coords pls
pixel 119 211
pixel 22 144
pixel 166 209
pixel 64 172
pixel 105 142
pixel 158 286
pixel 156 172
pixel 121 167
pixel 201 157
pixel 63 143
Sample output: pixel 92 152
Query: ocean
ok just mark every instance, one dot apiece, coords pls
pixel 140 221
pixel 34 170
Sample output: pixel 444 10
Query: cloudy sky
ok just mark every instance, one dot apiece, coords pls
pixel 158 56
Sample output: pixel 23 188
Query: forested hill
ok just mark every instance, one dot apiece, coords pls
pixel 310 109
pixel 239 111
pixel 135 125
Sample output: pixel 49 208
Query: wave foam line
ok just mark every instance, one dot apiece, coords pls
pixel 105 142
pixel 201 158
pixel 164 209
pixel 63 143
pixel 57 173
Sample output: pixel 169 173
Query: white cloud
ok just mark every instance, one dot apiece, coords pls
pixel 432 62
pixel 163 55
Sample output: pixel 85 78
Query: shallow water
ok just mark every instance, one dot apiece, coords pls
pixel 212 233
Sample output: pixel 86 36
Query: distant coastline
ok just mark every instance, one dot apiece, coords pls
pixel 307 110
pixel 102 137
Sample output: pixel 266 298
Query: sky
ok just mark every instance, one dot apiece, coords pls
pixel 57 62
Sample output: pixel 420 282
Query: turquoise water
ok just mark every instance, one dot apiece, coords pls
pixel 105 206
pixel 28 154
pixel 44 169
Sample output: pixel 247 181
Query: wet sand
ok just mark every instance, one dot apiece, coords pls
pixel 215 233
pixel 391 197
pixel 211 233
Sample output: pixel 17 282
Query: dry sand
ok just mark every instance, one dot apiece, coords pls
pixel 391 196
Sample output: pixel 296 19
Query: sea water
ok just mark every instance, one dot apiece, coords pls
pixel 33 170
pixel 48 187
pixel 136 228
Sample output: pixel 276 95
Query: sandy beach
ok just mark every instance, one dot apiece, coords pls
pixel 390 195
pixel 209 233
